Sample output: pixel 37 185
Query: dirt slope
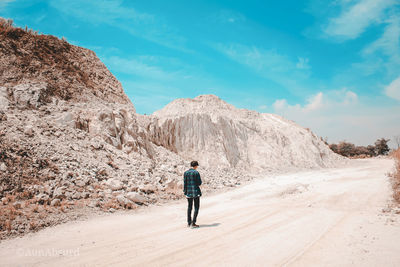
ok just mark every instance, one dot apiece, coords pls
pixel 330 217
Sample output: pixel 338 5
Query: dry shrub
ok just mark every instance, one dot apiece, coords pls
pixel 59 62
pixel 396 176
pixel 63 206
pixel 7 215
pixel 7 225
pixel 33 225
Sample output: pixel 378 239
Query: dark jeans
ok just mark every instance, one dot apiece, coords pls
pixel 196 209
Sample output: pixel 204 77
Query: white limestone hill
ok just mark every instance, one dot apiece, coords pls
pixel 218 134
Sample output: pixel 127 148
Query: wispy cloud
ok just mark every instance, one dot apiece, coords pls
pixel 355 19
pixel 377 62
pixel 270 64
pixel 4 3
pixel 140 24
pixel 393 89
pixel 387 46
pixel 140 66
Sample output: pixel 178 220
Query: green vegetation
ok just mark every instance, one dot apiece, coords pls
pixel 350 150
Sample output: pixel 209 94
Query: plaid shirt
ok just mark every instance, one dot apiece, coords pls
pixel 191 182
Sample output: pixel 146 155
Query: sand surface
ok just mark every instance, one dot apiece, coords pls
pixel 329 217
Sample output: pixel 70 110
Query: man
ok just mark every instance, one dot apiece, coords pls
pixel 191 183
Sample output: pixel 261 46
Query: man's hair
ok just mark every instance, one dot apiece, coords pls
pixel 194 163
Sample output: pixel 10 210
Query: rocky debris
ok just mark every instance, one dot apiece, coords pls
pixel 294 189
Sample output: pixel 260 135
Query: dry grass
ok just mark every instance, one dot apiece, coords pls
pixel 57 62
pixel 396 176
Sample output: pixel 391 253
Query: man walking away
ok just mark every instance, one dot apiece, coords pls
pixel 191 183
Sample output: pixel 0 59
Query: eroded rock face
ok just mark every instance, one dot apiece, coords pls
pixel 197 136
pixel 218 134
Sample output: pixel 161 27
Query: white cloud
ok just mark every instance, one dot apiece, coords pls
pixel 350 98
pixel 339 115
pixel 320 101
pixel 354 20
pixel 314 103
pixel 280 104
pixel 393 89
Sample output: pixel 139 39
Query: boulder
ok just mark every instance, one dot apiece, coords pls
pixel 94 203
pixel 136 197
pixel 55 202
pixel 114 184
pixel 28 94
pixel 67 119
pixel 148 189
pixel 3 167
pixel 42 198
pixel 122 200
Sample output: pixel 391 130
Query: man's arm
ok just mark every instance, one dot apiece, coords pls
pixel 198 179
pixel 184 183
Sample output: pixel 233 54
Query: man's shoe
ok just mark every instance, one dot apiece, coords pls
pixel 195 225
pixel 189 224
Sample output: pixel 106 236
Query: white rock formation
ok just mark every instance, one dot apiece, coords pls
pixel 218 134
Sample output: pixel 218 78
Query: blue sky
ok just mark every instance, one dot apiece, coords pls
pixel 332 66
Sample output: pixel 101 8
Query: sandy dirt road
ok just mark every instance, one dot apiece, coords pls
pixel 329 217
